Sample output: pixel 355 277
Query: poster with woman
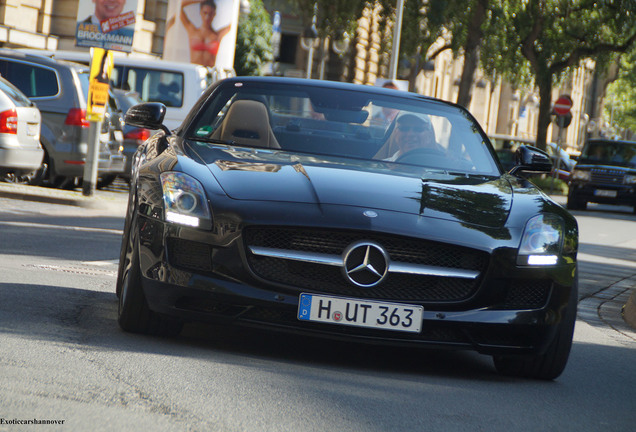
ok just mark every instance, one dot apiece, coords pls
pixel 208 26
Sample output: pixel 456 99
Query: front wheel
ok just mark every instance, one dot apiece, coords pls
pixel 551 364
pixel 134 315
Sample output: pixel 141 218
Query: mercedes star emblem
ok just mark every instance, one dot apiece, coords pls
pixel 366 263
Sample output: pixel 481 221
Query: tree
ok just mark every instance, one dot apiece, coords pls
pixel 459 23
pixel 253 40
pixel 541 41
pixel 333 17
pixel 620 105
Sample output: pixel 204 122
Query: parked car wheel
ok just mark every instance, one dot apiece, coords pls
pixel 105 181
pixel 67 183
pixel 550 365
pixel 41 175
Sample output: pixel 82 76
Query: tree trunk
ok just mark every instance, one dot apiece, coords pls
pixel 545 109
pixel 471 52
pixel 471 59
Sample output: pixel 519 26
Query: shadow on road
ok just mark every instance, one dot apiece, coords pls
pixel 89 319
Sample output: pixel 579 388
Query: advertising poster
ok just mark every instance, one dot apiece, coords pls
pixel 202 32
pixel 107 24
pixel 101 67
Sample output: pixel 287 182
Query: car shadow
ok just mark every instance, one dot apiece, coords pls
pixel 88 318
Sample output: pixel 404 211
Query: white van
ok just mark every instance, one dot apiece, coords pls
pixel 177 85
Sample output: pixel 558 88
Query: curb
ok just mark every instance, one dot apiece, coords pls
pixel 54 196
pixel 608 307
pixel 629 310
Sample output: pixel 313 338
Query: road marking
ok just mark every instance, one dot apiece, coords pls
pixel 74 269
pixel 102 262
pixel 62 227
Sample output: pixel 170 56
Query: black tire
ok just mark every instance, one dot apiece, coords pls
pixel 551 364
pixel 105 181
pixel 64 182
pixel 133 314
pixel 575 204
pixel 41 176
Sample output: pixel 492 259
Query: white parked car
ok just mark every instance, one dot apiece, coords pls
pixel 20 122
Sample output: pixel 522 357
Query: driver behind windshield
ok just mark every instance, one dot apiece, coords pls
pixel 411 133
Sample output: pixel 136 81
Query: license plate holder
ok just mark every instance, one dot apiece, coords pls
pixel 360 313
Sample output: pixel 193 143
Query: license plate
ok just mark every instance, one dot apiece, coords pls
pixel 360 313
pixel 605 193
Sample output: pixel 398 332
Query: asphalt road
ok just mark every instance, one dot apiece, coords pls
pixel 63 357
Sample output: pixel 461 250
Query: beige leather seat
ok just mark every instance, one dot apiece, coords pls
pixel 247 122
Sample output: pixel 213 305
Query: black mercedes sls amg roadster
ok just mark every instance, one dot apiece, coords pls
pixel 351 212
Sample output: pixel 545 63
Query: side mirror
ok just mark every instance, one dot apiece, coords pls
pixel 147 115
pixel 531 160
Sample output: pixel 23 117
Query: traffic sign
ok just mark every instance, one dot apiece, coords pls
pixel 562 105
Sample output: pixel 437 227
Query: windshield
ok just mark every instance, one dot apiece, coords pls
pixel 339 122
pixel 610 153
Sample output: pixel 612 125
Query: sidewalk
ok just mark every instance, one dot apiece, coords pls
pixel 614 306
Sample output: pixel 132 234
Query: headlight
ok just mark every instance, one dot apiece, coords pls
pixel 581 175
pixel 184 200
pixel 542 241
pixel 629 179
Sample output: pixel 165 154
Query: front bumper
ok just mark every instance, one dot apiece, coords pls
pixel 603 193
pixel 223 294
pixel 20 160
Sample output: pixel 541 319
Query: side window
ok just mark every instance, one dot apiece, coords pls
pixel 32 80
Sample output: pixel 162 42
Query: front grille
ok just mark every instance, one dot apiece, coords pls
pixel 189 255
pixel 608 176
pixel 302 275
pixel 526 294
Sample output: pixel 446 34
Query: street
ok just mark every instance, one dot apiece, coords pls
pixel 64 358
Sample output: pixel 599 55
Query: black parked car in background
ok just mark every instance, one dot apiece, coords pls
pixel 605 173
pixel 283 204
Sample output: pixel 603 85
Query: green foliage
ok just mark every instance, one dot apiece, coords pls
pixel 549 185
pixel 253 40
pixel 548 37
pixel 620 100
pixel 333 17
pixel 542 41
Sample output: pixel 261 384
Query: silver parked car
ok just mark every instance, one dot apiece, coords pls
pixel 20 123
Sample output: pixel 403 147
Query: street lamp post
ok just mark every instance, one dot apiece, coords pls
pixel 397 33
pixel 308 42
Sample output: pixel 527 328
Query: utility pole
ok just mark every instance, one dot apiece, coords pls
pixel 397 33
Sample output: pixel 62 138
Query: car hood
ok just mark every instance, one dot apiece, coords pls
pixel 285 177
